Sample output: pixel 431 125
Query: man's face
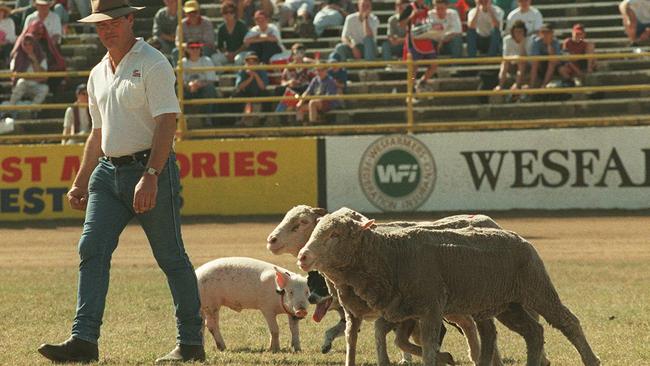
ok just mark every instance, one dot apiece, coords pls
pixel 441 10
pixel 547 36
pixel 171 4
pixel 364 6
pixel 261 20
pixel 524 4
pixel 484 2
pixel 114 31
pixel 42 9
pixel 578 34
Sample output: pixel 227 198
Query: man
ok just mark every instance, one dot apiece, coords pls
pixel 264 38
pixel 636 19
pixel 196 28
pixel 484 29
pixel 528 14
pixel 448 20
pixel 578 45
pixel 393 46
pixel 545 45
pixel 128 170
pixel 515 44
pixel 51 20
pixel 165 23
pixel 359 35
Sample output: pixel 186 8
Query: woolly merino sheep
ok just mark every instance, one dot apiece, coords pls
pixel 246 283
pixel 417 273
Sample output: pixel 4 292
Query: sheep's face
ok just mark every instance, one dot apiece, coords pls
pixel 294 230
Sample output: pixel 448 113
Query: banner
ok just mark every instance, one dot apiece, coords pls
pixel 580 168
pixel 228 177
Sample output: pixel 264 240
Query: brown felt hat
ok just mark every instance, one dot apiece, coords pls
pixel 109 9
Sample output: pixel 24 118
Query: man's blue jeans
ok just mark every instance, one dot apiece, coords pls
pixel 343 52
pixel 490 45
pixel 109 210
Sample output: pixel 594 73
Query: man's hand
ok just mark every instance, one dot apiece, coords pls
pixel 78 198
pixel 144 197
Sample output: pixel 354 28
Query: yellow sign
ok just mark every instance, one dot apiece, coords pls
pixel 218 177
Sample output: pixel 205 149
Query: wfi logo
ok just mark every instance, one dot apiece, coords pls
pixel 397 173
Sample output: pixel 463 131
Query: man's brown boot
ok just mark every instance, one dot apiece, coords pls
pixel 72 350
pixel 183 353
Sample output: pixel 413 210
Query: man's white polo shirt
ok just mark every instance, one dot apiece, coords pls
pixel 124 104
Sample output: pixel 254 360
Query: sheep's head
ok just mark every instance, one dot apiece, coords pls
pixel 333 240
pixel 294 230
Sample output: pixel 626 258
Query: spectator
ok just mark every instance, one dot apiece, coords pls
pixel 359 35
pixel 199 84
pixel 7 35
pixel 340 76
pixel 452 38
pixel 27 56
pixel 51 20
pixel 165 23
pixel 545 45
pixel 321 84
pixel 246 10
pixel 264 38
pixel 77 117
pixel 636 19
pixel 289 9
pixel 484 29
pixel 230 34
pixel 296 79
pixel 55 61
pixel 393 46
pixel 332 14
pixel 528 14
pixel 250 84
pixel 196 28
pixel 578 45
pixel 515 44
pixel 416 15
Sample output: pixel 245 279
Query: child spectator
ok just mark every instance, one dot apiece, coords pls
pixel 199 84
pixel 27 56
pixel 250 84
pixel 77 118
pixel 230 34
pixel 196 28
pixel 545 45
pixel 484 29
pixel 359 35
pixel 636 19
pixel 294 80
pixel 165 23
pixel 515 44
pixel 449 20
pixel 51 20
pixel 393 46
pixel 332 14
pixel 264 38
pixel 7 35
pixel 578 45
pixel 321 84
pixel 528 14
pixel 415 15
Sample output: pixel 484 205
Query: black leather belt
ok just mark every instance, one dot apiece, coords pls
pixel 140 156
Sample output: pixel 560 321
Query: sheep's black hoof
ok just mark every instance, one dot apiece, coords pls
pixel 326 348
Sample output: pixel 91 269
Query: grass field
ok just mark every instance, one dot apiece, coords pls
pixel 600 266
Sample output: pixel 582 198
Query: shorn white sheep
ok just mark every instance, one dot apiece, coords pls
pixel 419 273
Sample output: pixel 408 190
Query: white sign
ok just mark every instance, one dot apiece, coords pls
pixel 590 168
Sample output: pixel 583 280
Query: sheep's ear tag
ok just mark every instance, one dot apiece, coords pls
pixel 368 224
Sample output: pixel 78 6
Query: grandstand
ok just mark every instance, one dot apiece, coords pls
pixel 600 17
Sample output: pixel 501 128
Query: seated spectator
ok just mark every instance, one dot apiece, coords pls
pixel 528 14
pixel 288 10
pixel 416 15
pixel 452 39
pixel 578 45
pixel 27 56
pixel 7 35
pixel 636 19
pixel 230 35
pixel 246 10
pixel 484 29
pixel 77 118
pixel 199 84
pixel 332 14
pixel 165 23
pixel 359 35
pixel 294 80
pixel 50 19
pixel 321 84
pixel 251 83
pixel 196 28
pixel 393 46
pixel 545 45
pixel 55 61
pixel 515 44
pixel 264 38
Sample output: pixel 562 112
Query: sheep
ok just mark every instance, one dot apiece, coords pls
pixel 419 273
pixel 294 231
pixel 246 283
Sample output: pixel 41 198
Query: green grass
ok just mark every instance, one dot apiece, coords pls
pixel 607 290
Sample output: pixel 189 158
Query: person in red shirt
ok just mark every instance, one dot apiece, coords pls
pixel 578 45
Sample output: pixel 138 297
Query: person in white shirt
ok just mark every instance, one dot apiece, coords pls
pixel 51 20
pixel 636 19
pixel 7 35
pixel 359 35
pixel 515 44
pixel 528 14
pixel 451 42
pixel 484 23
pixel 77 117
pixel 199 84
pixel 264 38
